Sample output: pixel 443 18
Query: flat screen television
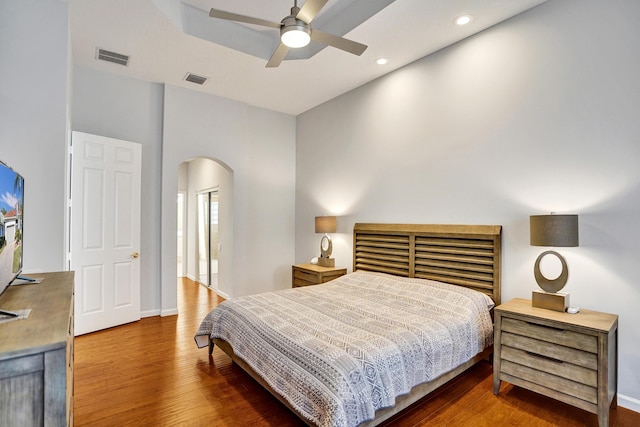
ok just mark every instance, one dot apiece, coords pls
pixel 11 226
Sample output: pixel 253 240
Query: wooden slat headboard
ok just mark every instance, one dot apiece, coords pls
pixel 464 255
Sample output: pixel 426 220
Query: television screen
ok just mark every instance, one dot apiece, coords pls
pixel 11 213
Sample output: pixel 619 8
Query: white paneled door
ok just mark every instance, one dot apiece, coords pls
pixel 105 231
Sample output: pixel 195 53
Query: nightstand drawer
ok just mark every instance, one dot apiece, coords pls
pixel 547 383
pixel 551 366
pixel 311 274
pixel 550 350
pixel 305 277
pixel 552 334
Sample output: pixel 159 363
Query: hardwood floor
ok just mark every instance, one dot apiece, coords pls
pixel 150 373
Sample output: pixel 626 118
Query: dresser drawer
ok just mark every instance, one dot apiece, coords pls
pixel 36 354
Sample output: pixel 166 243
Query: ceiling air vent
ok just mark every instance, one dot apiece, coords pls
pixel 193 78
pixel 116 58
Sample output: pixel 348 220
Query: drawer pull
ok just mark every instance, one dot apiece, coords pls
pixel 541 356
pixel 545 326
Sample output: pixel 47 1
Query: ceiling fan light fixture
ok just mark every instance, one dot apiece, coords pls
pixel 295 33
pixel 295 30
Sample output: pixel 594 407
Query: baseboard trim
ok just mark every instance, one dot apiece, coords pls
pixel 149 313
pixel 629 403
pixel 222 294
pixel 169 312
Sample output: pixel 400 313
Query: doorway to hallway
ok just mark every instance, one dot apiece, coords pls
pixel 205 223
pixel 208 237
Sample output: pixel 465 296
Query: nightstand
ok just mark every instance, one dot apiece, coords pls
pixel 311 274
pixel 569 357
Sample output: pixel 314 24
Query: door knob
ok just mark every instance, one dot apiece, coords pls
pixel 135 255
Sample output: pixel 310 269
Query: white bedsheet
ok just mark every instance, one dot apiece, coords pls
pixel 341 350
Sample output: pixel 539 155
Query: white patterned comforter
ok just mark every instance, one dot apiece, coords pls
pixel 341 350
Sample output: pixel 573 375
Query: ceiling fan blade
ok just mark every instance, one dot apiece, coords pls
pixel 221 14
pixel 338 42
pixel 310 9
pixel 278 56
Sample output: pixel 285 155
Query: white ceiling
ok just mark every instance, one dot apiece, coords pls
pixel 156 34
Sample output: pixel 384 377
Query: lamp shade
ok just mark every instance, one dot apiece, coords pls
pixel 325 224
pixel 554 230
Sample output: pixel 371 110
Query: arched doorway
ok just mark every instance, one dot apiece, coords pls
pixel 204 242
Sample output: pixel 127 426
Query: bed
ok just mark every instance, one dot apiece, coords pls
pixel 361 348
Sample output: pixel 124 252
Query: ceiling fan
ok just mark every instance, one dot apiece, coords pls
pixel 295 30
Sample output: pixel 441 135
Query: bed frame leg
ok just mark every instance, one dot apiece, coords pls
pixel 211 344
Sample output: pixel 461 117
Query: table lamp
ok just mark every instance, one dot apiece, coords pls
pixel 326 225
pixel 552 231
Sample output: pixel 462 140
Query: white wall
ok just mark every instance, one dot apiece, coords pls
pixel 537 114
pixel 33 118
pixel 259 146
pixel 122 108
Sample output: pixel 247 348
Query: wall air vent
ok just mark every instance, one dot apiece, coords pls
pixel 116 58
pixel 193 78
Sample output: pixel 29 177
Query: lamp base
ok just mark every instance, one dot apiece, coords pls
pixel 557 301
pixel 326 262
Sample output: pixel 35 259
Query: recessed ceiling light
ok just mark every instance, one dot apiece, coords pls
pixel 381 61
pixel 463 19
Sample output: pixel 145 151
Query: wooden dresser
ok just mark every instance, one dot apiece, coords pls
pixel 569 357
pixel 36 354
pixel 311 274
